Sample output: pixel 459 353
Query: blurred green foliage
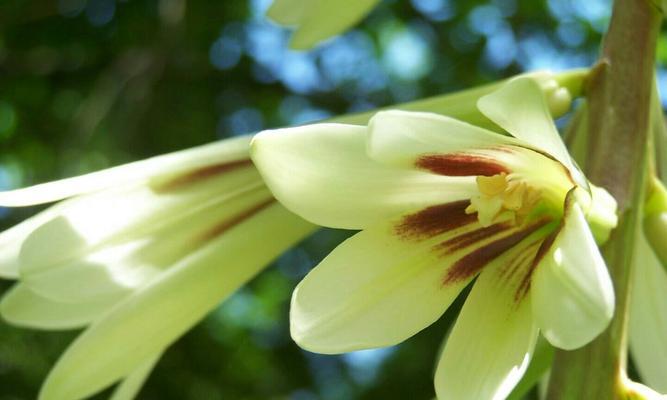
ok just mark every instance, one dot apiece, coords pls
pixel 86 84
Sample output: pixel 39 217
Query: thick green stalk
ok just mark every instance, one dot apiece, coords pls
pixel 618 92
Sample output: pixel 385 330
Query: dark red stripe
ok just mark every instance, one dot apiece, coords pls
pixel 472 237
pixel 435 220
pixel 524 286
pixel 460 165
pixel 225 225
pixel 200 174
pixel 473 262
pixel 516 263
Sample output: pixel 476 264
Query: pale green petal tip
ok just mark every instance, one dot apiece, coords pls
pixel 129 388
pixel 655 220
pixel 601 214
pixel 303 42
pixel 286 12
pixel 656 202
pixel 316 20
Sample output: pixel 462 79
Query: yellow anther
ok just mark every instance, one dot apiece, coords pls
pixel 502 198
pixel 513 196
pixel 492 185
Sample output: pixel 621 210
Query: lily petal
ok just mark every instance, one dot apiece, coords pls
pixel 319 20
pixel 118 268
pixel 400 137
pixel 288 12
pixel 23 307
pixel 520 108
pixel 165 167
pixel 572 293
pixel 129 388
pixel 151 319
pixel 648 317
pixel 322 172
pixel 493 339
pixel 397 279
pixel 11 241
pixel 73 229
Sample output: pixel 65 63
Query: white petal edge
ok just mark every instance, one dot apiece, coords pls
pixel 154 317
pixel 492 342
pixel 648 317
pixel 322 172
pixel 22 307
pixel 520 107
pixel 572 293
pixel 374 290
pixel 160 167
pixel 400 137
pixel 130 386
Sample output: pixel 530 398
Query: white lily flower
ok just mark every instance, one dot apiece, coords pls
pixel 440 202
pixel 318 20
pixel 139 254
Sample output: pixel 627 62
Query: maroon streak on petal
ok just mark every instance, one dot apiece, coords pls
pixel 474 261
pixel 521 261
pixel 227 224
pixel 524 287
pixel 460 164
pixel 469 238
pixel 200 174
pixel 435 220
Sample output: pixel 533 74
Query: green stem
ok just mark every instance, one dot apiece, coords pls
pixel 619 92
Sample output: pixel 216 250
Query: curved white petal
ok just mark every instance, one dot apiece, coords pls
pixel 521 108
pixel 23 307
pixel 113 270
pixel 319 20
pixel 162 167
pixel 322 172
pixel 152 318
pixel 372 291
pixel 392 280
pixel 129 387
pixel 648 317
pixel 400 137
pixel 572 293
pixel 493 339
pixel 75 228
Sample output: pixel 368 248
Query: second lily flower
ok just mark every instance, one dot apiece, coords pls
pixel 440 202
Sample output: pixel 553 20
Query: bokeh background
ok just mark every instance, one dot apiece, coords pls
pixel 87 84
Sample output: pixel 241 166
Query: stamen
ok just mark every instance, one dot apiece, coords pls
pixel 492 185
pixel 500 196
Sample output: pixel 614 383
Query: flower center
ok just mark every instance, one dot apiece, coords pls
pixel 503 197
